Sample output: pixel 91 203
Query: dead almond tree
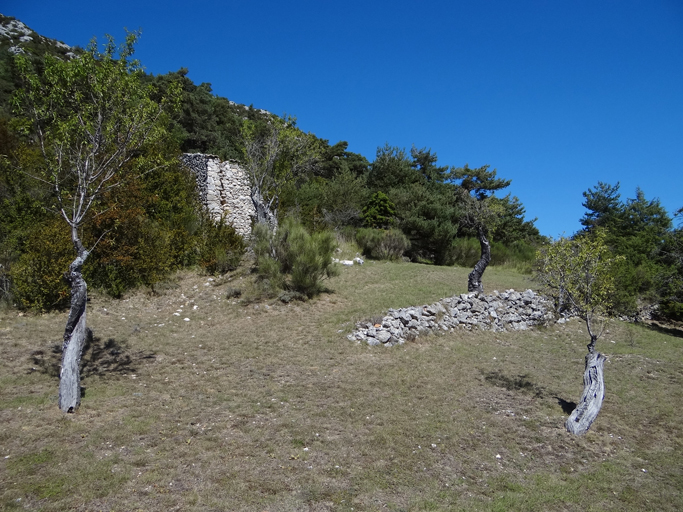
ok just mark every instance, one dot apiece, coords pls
pixel 577 274
pixel 93 121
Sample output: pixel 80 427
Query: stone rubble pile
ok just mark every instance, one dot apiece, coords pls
pixel 509 310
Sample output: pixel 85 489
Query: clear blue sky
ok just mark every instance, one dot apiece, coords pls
pixel 554 94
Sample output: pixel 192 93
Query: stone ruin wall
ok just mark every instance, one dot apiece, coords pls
pixel 224 190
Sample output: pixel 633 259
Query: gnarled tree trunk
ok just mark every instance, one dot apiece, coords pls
pixel 74 336
pixel 264 214
pixel 474 283
pixel 589 406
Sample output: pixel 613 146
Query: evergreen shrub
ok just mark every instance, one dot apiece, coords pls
pixel 37 280
pixel 381 244
pixel 291 259
pixel 220 247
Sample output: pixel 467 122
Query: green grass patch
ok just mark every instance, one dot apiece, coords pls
pixel 260 405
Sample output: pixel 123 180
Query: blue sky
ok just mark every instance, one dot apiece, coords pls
pixel 556 95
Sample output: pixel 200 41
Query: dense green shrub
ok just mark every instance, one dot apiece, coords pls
pixel 220 247
pixel 379 212
pixel 382 244
pixel 290 258
pixel 465 252
pixel 37 277
pixel 520 255
pixel 136 252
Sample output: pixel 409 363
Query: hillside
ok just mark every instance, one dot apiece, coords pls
pixel 195 401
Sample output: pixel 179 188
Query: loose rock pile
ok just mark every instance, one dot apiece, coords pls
pixel 509 310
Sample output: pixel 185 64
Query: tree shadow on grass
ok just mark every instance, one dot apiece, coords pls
pixel 516 383
pixel 523 383
pixel 671 330
pixel 99 357
pixel 567 407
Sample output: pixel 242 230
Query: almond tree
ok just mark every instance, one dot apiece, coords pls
pixel 275 154
pixel 578 274
pixel 95 123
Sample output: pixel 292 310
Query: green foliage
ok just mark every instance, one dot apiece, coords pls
pixel 670 278
pixel 382 244
pixel 36 277
pixel 479 182
pixel 220 247
pixel 276 154
pixel 636 229
pixel 392 168
pixel 336 160
pixel 520 255
pixel 509 226
pixel 603 204
pixel 98 131
pixel 323 203
pixel 379 212
pixel 465 251
pixel 429 217
pixel 579 275
pixel 205 123
pixel 289 258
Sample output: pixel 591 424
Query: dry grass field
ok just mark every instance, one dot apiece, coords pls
pixel 198 402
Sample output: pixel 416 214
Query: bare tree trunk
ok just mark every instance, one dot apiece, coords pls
pixel 74 336
pixel 589 406
pixel 264 215
pixel 474 283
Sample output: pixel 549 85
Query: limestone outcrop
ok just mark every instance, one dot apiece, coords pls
pixel 509 310
pixel 224 189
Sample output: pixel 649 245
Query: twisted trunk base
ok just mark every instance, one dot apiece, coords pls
pixel 74 338
pixel 589 406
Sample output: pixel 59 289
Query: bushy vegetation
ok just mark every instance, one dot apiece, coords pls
pixel 220 247
pixel 326 187
pixel 640 231
pixel 291 259
pixel 382 244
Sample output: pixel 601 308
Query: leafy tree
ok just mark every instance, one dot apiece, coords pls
pixel 429 216
pixel 95 124
pixel 578 274
pixel 274 155
pixel 205 123
pixel 474 194
pixel 636 230
pixel 424 161
pixel 426 209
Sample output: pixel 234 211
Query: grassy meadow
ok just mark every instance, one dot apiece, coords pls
pixel 194 401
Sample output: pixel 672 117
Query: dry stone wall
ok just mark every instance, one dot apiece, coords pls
pixel 224 190
pixel 509 310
